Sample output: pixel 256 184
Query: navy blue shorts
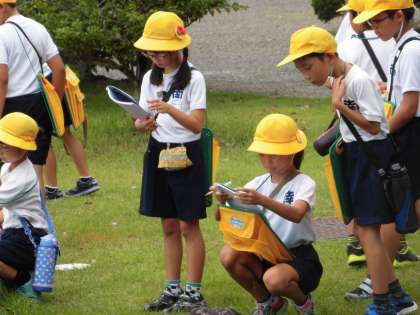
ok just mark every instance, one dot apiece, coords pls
pixel 33 105
pixel 307 265
pixel 16 250
pixel 408 142
pixel 365 186
pixel 178 194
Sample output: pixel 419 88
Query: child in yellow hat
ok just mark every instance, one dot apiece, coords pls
pixel 279 144
pixel 358 101
pixel 174 94
pixel 19 199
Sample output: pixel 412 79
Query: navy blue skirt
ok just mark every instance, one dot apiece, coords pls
pixel 174 194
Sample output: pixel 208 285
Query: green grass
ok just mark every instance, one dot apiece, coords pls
pixel 125 249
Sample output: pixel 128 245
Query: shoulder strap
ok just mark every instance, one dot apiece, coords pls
pixel 29 41
pixel 167 94
pixel 374 58
pixel 370 155
pixel 397 55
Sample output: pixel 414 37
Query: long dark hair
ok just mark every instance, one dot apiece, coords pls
pixel 182 77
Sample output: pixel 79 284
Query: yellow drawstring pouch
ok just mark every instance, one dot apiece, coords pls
pixel 249 231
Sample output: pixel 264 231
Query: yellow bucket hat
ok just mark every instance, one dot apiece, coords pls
pixel 353 5
pixel 163 31
pixel 375 7
pixel 309 40
pixel 277 134
pixel 7 1
pixel 19 130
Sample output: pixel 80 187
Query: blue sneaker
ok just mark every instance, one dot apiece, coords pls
pixel 403 305
pixel 26 291
pixel 374 309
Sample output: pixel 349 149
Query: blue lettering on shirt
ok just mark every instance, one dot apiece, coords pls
pixel 177 97
pixel 289 197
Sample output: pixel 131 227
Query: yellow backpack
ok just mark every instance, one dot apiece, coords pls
pixel 248 231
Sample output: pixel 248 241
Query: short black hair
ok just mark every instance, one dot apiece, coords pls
pixel 408 13
pixel 11 5
pixel 298 159
pixel 318 55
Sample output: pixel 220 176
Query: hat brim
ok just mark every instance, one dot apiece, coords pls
pixel 17 142
pixel 273 148
pixel 365 16
pixel 344 8
pixel 292 57
pixel 153 44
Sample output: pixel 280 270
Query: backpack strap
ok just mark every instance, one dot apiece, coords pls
pixel 29 41
pixel 374 58
pixel 397 56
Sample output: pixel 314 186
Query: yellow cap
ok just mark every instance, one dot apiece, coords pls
pixel 353 5
pixel 277 134
pixel 19 130
pixel 375 7
pixel 7 1
pixel 309 40
pixel 163 31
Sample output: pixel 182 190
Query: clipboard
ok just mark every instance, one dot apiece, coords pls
pixel 126 101
pixel 248 230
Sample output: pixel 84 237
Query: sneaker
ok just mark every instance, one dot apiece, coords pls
pixel 363 291
pixel 26 291
pixel 374 309
pixel 164 301
pixel 84 187
pixel 186 303
pixel 278 305
pixel 403 305
pixel 307 308
pixel 53 193
pixel 355 253
pixel 404 255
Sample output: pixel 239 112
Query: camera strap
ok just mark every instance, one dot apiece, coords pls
pixel 375 60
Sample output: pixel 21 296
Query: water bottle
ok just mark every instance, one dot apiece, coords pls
pixel 402 203
pixel 46 257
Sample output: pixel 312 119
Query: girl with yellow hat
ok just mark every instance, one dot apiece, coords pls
pixel 286 197
pixel 174 94
pixel 19 199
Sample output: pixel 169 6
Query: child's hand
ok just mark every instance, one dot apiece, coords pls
pixel 338 91
pixel 160 106
pixel 148 124
pixel 222 197
pixel 249 196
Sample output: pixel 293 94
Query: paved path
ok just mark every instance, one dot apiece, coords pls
pixel 329 228
pixel 238 51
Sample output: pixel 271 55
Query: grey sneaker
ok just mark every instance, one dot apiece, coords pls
pixel 278 305
pixel 362 292
pixel 84 187
pixel 307 308
pixel 53 193
pixel 164 301
pixel 186 303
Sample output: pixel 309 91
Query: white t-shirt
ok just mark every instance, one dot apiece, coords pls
pixel 19 196
pixel 407 69
pixel 22 78
pixel 345 31
pixel 191 98
pixel 363 96
pixel 302 187
pixel 354 51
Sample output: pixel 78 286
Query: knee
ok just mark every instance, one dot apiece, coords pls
pixel 276 283
pixel 170 229
pixel 189 229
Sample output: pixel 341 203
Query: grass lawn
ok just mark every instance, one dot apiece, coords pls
pixel 125 249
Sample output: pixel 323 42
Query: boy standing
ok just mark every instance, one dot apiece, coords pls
pixel 357 98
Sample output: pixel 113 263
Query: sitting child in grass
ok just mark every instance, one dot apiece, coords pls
pixel 19 198
pixel 280 146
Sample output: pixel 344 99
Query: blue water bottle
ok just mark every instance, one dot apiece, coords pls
pixel 46 257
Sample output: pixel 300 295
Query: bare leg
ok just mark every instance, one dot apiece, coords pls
pixel 39 173
pixel 76 151
pixel 7 272
pixel 391 239
pixel 194 241
pixel 246 269
pixel 51 169
pixel 282 280
pixel 173 248
pixel 379 264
